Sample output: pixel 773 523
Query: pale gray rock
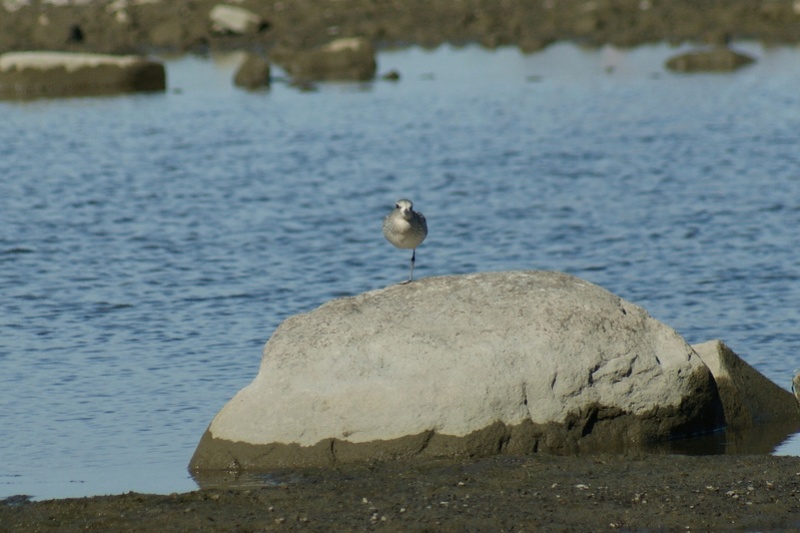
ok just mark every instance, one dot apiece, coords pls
pixel 38 74
pixel 235 20
pixel 748 397
pixel 462 366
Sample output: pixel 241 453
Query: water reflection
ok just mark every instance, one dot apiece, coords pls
pixel 761 439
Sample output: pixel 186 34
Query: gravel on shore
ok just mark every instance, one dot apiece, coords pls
pixel 501 493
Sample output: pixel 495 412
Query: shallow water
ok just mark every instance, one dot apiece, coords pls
pixel 150 244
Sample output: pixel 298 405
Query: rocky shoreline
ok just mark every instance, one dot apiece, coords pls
pixel 315 40
pixel 501 493
pixel 136 26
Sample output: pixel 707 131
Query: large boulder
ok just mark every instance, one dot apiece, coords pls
pixel 464 366
pixel 346 59
pixel 37 74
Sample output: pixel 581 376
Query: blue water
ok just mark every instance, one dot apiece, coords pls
pixel 150 244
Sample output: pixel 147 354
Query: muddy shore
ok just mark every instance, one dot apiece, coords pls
pixel 184 25
pixel 537 492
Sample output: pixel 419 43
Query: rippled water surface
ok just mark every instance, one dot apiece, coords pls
pixel 149 245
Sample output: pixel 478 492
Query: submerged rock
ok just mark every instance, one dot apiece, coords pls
pixel 464 366
pixel 717 59
pixel 38 74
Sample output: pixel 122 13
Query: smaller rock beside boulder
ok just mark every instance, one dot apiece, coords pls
pixel 47 74
pixel 759 414
pixel 253 73
pixel 348 59
pixel 717 59
pixel 748 398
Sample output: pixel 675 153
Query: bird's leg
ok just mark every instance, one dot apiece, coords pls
pixel 413 258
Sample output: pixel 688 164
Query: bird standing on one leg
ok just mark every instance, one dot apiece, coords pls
pixel 405 228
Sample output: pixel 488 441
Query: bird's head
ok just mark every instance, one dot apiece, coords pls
pixel 405 207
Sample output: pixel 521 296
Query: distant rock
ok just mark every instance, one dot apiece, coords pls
pixel 253 73
pixel 716 59
pixel 45 74
pixel 348 59
pixel 235 20
pixel 392 75
pixel 468 365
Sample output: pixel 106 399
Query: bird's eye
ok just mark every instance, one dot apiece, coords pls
pixel 397 206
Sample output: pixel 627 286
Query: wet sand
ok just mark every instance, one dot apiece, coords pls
pixel 537 492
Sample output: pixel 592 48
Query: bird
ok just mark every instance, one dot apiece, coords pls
pixel 796 384
pixel 405 228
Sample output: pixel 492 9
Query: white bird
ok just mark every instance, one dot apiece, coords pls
pixel 405 228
